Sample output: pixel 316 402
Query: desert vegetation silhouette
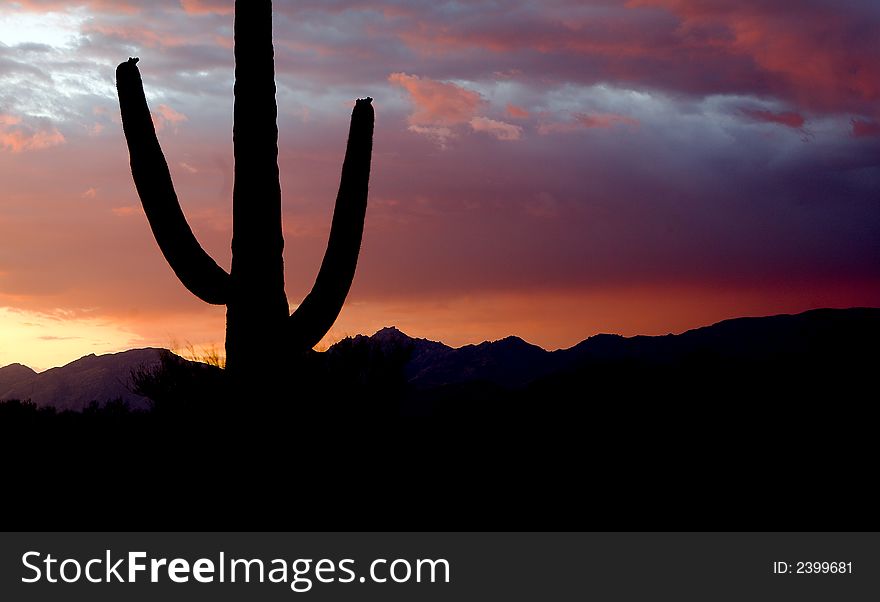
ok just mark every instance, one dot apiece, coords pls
pixel 262 337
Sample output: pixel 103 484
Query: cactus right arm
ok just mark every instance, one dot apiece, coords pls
pixel 319 310
pixel 193 266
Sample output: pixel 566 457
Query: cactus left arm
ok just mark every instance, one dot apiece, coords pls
pixel 193 266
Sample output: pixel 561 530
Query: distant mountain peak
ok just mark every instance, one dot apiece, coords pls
pixel 389 332
pixel 15 374
pixel 510 343
pixel 16 367
pixel 514 340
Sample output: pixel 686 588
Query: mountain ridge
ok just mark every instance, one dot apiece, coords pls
pixel 509 362
pixel 73 386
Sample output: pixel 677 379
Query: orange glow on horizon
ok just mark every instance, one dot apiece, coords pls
pixel 552 320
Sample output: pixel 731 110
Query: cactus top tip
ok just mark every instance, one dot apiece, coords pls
pixel 367 100
pixel 127 70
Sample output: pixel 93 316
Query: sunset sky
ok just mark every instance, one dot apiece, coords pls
pixel 551 169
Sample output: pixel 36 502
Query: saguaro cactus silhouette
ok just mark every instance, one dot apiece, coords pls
pixel 259 332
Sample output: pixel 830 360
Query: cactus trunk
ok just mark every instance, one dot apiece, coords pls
pixel 257 308
pixel 260 335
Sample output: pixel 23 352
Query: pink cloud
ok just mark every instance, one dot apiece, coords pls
pixel 604 120
pixel 498 129
pixel 787 118
pixel 17 137
pixel 437 103
pixel 822 56
pixel 864 129
pixel 165 116
pixel 207 7
pixel 137 34
pixel 171 115
pixel 558 128
pixel 439 106
pixel 594 120
pixel 438 133
pixel 517 112
pixel 125 210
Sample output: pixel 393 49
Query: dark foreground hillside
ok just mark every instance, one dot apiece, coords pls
pixel 760 423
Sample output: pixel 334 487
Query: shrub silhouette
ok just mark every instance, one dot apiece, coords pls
pixel 261 336
pixel 355 380
pixel 178 387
